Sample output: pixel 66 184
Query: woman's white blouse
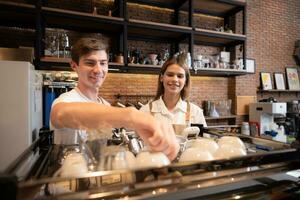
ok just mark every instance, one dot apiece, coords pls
pixel 177 116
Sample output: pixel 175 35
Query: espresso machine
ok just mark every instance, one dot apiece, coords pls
pixel 265 114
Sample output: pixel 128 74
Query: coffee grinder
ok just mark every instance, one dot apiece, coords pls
pixel 265 114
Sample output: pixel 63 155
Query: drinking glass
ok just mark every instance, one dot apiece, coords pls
pixel 65 44
pixel 51 45
pixel 113 158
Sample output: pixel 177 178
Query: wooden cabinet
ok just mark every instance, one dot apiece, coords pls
pixel 230 120
pixel 279 92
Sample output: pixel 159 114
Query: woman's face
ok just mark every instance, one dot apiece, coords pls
pixel 173 79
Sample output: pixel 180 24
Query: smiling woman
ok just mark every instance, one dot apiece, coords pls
pixel 171 102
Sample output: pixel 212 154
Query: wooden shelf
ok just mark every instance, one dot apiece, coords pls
pixel 55 63
pixel 141 69
pixel 221 117
pixel 219 72
pixel 172 4
pixel 83 14
pixel 219 8
pixel 68 60
pixel 17 14
pixel 74 20
pixel 55 59
pixel 224 126
pixel 279 91
pixel 144 65
pixel 157 24
pixel 151 31
pixel 210 7
pixel 216 38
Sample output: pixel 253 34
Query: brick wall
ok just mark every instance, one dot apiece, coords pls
pixel 272 29
pixel 203 88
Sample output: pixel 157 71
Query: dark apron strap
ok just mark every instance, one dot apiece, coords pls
pixel 187 115
pixel 150 108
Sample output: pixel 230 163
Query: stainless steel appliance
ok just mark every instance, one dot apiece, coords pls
pixel 264 113
pixel 20 109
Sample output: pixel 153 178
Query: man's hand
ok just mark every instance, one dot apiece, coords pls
pixel 169 134
pixel 158 136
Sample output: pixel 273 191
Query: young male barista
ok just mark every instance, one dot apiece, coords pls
pixel 82 108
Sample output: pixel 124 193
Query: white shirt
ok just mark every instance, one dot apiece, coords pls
pixel 66 135
pixel 177 116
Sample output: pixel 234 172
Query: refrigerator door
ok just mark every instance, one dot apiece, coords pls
pixel 20 109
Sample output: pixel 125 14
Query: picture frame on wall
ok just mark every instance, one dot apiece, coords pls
pixel 279 81
pixel 292 78
pixel 266 81
pixel 250 65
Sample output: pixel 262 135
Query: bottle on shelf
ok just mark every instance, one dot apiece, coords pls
pixel 245 128
pixel 189 60
pixel 95 12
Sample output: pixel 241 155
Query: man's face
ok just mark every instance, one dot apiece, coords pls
pixel 92 69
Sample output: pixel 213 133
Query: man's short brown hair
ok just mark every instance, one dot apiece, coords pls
pixel 85 46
